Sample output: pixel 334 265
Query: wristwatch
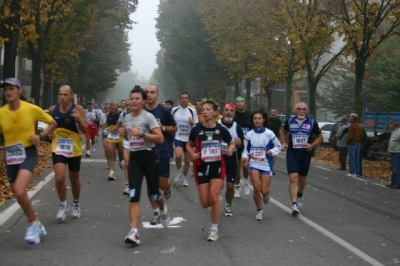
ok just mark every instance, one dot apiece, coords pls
pixel 142 135
pixel 163 128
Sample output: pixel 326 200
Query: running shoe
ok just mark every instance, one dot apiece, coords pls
pixel 76 212
pixel 185 182
pixel 246 189
pixel 87 153
pixel 121 164
pixel 155 219
pixel 295 210
pixel 62 213
pixel 165 218
pixel 112 177
pixel 167 194
pixel 132 238
pixel 299 202
pixel 259 216
pixel 178 177
pixel 266 199
pixel 228 210
pixel 35 231
pixel 126 191
pixel 213 235
pixel 237 192
pixel 93 148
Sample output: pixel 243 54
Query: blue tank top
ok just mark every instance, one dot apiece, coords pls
pixel 65 120
pixel 112 119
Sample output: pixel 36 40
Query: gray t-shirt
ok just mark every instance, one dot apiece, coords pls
pixel 144 122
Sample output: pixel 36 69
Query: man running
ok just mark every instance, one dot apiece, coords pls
pixel 231 161
pixel 274 124
pixel 242 117
pixel 298 155
pixel 185 118
pixel 168 126
pixel 91 117
pixel 66 149
pixel 17 125
pixel 99 114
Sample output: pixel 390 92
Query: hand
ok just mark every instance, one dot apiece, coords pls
pixel 245 162
pixel 269 153
pixel 229 152
pixel 191 121
pixel 134 131
pixel 75 114
pixel 35 139
pixel 308 147
pixel 284 147
pixel 121 130
pixel 238 142
pixel 195 156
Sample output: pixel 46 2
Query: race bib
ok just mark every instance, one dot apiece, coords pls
pixel 299 140
pixel 113 136
pixel 64 147
pixel 136 142
pixel 210 151
pixel 15 154
pixel 257 153
pixel 183 130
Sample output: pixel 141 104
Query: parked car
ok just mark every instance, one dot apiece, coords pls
pixel 326 128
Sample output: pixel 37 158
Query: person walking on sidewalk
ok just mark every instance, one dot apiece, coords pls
pixel 66 149
pixel 299 130
pixel 18 125
pixel 142 131
pixel 394 149
pixel 204 148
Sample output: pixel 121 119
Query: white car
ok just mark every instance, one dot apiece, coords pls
pixel 325 128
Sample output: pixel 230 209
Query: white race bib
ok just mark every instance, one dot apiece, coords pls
pixel 210 151
pixel 136 141
pixel 257 153
pixel 15 154
pixel 299 140
pixel 183 130
pixel 113 136
pixel 64 147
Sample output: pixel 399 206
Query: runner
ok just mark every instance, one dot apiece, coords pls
pixel 91 117
pixel 17 125
pixel 185 117
pixel 231 161
pixel 97 122
pixel 168 126
pixel 298 155
pixel 274 124
pixel 242 117
pixel 66 149
pixel 114 140
pixel 204 148
pixel 260 145
pixel 103 126
pixel 142 131
pixel 125 145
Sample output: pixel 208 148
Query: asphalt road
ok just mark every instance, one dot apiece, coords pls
pixel 344 221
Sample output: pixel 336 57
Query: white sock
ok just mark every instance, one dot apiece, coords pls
pixel 214 227
pixel 63 203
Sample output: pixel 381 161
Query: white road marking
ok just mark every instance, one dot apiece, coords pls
pixel 331 236
pixel 323 168
pixel 172 224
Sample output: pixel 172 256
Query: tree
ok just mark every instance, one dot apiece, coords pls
pixel 366 25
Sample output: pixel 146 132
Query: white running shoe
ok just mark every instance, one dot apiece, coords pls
pixel 295 210
pixel 155 219
pixel 185 182
pixel 76 212
pixel 167 194
pixel 35 231
pixel 228 210
pixel 178 177
pixel 247 189
pixel 165 217
pixel 126 191
pixel 112 177
pixel 266 199
pixel 259 216
pixel 62 213
pixel 213 235
pixel 132 238
pixel 87 153
pixel 237 193
pixel 299 202
pixel 121 164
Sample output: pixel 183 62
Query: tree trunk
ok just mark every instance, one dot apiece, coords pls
pixel 248 91
pixel 289 92
pixel 237 89
pixel 312 104
pixel 268 92
pixel 360 71
pixel 36 78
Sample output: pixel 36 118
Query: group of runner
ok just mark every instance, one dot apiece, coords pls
pixel 139 134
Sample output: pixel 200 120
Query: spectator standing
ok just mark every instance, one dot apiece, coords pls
pixel 394 149
pixel 341 138
pixel 354 139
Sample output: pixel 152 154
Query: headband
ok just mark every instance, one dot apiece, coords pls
pixel 240 98
pixel 229 105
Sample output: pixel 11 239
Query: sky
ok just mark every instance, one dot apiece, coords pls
pixel 144 44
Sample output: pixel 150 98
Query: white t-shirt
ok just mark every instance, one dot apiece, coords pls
pixel 181 116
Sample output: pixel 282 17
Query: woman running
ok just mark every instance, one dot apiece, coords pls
pixel 260 146
pixel 204 147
